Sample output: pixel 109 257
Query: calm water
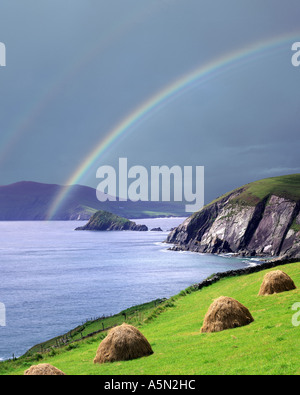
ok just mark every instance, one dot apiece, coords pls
pixel 53 278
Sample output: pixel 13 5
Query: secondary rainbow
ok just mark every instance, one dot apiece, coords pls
pixel 165 96
pixel 26 119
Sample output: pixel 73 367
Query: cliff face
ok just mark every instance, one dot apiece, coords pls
pixel 251 221
pixel 103 220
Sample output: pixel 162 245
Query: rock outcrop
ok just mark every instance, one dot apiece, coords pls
pixel 259 219
pixel 103 220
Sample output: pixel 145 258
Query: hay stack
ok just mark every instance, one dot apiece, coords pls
pixel 226 313
pixel 44 369
pixel 276 282
pixel 123 343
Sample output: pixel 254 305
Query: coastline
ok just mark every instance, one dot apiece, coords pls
pixel 210 277
pixel 53 254
pixel 178 330
pixel 264 265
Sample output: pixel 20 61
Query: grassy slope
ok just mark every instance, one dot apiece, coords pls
pixel 270 345
pixel 284 186
pixel 135 315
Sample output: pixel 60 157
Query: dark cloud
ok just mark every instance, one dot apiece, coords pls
pixel 76 68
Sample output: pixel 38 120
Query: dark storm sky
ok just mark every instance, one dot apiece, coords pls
pixel 76 68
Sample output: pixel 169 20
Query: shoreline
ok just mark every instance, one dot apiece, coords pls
pixel 211 277
pixel 264 265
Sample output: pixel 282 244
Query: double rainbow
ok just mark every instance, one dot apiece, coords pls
pixel 168 94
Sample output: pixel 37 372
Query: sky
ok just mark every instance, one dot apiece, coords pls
pixel 75 69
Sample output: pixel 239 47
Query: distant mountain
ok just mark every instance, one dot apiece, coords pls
pixel 258 219
pixel 31 201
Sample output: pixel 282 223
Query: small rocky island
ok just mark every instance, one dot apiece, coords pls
pixel 105 221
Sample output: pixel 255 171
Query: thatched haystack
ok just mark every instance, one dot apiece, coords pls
pixel 123 343
pixel 226 313
pixel 276 282
pixel 44 369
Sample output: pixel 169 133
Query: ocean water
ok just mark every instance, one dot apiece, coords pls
pixel 53 278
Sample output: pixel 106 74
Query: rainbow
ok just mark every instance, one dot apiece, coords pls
pixel 165 96
pixel 25 120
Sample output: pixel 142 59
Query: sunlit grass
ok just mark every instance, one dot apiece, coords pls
pixel 269 345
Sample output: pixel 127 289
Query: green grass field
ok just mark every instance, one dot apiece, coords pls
pixel 134 315
pixel 269 345
pixel 287 187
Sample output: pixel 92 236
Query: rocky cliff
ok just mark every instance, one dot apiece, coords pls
pixel 258 219
pixel 103 220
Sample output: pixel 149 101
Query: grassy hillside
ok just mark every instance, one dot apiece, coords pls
pixel 284 186
pixel 269 345
pixel 134 315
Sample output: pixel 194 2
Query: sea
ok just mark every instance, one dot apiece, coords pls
pixel 53 278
